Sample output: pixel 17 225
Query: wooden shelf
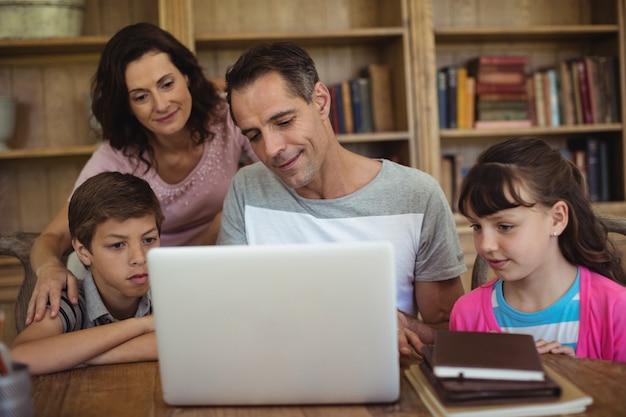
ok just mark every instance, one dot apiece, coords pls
pixel 525 34
pixel 58 152
pixel 51 46
pixel 530 131
pixel 373 137
pixel 369 36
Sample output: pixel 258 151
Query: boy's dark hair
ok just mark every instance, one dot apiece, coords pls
pixel 492 184
pixel 110 102
pixel 110 195
pixel 287 59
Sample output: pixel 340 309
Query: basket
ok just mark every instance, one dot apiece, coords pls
pixel 41 18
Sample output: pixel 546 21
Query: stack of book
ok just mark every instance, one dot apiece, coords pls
pixel 501 91
pixel 491 374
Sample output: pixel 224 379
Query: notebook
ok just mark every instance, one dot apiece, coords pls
pixel 276 324
pixel 479 355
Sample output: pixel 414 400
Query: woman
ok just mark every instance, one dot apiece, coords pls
pixel 163 121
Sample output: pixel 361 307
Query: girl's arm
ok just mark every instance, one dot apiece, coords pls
pixel 45 348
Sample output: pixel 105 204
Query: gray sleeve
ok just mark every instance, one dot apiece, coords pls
pixel 440 255
pixel 233 224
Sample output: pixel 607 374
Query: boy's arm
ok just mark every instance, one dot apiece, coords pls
pixel 45 348
pixel 139 349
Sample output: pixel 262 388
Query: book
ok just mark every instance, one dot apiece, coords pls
pixel 502 124
pixel 461 98
pixel 348 117
pixel 502 60
pixel 450 178
pixel 572 400
pixel 608 69
pixel 492 88
pixel 463 391
pixel 500 76
pixel 578 107
pixel 338 94
pixel 539 98
pixel 335 118
pixel 593 168
pixel 479 355
pixel 470 91
pixel 553 97
pixel 367 124
pixel 583 86
pixel 605 194
pixel 566 94
pixel 442 98
pixel 593 88
pixel 452 97
pixel 530 100
pixel 355 100
pixel 381 94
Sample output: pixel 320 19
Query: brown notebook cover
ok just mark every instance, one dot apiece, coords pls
pixel 457 391
pixel 478 355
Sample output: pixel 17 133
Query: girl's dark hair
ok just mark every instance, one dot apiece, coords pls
pixel 492 184
pixel 110 195
pixel 287 59
pixel 110 100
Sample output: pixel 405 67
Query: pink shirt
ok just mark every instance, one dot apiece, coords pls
pixel 190 205
pixel 602 331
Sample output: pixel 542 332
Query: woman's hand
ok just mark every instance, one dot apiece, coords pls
pixel 51 279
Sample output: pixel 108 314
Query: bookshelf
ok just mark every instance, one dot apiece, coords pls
pixel 547 32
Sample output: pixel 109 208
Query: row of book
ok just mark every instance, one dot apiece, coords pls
pixel 591 155
pixel 498 91
pixel 363 104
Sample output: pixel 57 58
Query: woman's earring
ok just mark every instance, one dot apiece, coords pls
pixel 554 234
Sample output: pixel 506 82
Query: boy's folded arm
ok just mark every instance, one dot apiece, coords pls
pixel 138 349
pixel 45 348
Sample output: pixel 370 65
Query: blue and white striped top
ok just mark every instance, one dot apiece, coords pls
pixel 559 322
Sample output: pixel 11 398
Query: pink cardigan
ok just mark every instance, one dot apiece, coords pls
pixel 602 332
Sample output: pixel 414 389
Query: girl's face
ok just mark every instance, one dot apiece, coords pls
pixel 158 94
pixel 518 242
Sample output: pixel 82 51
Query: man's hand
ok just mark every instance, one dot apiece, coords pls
pixel 554 347
pixel 50 282
pixel 408 340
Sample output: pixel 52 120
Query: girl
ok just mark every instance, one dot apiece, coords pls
pixel 558 276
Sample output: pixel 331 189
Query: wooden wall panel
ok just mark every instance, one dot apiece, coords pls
pixel 105 17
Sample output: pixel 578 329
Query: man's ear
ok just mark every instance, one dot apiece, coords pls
pixel 560 217
pixel 81 250
pixel 321 98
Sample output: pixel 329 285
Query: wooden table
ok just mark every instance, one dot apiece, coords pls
pixel 135 390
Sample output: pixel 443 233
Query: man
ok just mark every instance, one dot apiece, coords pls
pixel 311 189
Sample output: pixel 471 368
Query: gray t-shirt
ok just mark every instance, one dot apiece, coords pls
pixel 402 205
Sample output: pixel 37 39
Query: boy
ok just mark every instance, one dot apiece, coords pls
pixel 114 220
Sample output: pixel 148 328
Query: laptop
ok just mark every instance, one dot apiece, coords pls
pixel 307 323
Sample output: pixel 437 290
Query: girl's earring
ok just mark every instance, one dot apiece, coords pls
pixel 554 234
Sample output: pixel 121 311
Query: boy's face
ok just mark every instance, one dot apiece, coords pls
pixel 117 259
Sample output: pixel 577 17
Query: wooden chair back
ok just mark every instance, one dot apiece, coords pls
pixel 480 271
pixel 18 245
